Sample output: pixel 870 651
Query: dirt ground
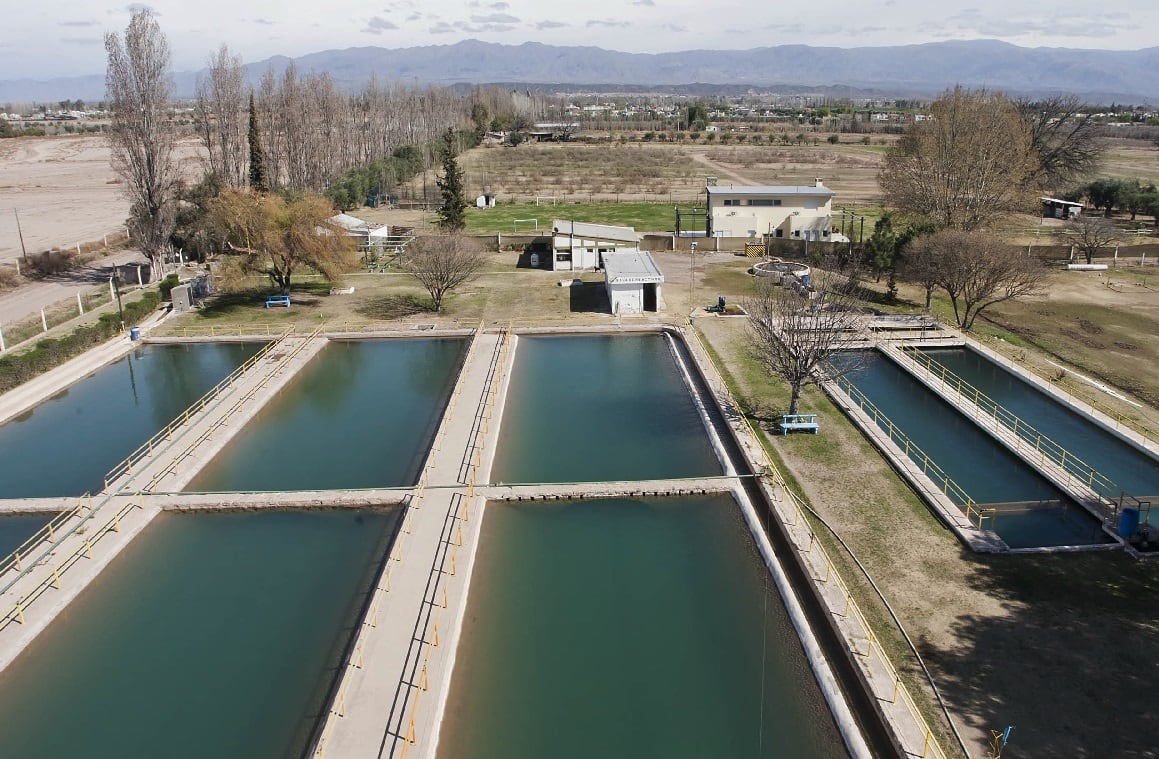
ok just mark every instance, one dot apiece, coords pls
pixel 64 190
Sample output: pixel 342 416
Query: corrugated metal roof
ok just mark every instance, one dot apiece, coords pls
pixel 787 189
pixel 594 231
pixel 631 266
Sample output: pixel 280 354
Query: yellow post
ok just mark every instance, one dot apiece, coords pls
pixel 444 597
pixel 88 549
pixel 435 640
pixel 16 560
pixel 56 577
pixel 20 612
pixel 51 533
pixel 423 678
pixel 410 730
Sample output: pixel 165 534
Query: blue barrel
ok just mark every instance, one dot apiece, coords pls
pixel 1128 522
pixel 135 334
pixel 805 280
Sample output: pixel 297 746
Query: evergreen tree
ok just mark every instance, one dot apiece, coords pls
pixel 258 180
pixel 451 212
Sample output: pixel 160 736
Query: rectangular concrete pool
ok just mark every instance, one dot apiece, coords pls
pixel 66 445
pixel 213 635
pixel 629 628
pixel 597 408
pixel 361 414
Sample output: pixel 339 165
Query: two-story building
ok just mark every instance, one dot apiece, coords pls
pixel 803 212
pixel 577 245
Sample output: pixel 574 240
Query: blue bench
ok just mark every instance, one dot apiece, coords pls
pixel 278 300
pixel 802 422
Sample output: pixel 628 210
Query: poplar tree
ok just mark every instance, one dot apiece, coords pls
pixel 452 211
pixel 258 181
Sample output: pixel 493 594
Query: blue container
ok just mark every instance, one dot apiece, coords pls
pixel 805 280
pixel 1128 522
pixel 134 333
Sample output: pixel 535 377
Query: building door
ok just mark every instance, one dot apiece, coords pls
pixel 650 296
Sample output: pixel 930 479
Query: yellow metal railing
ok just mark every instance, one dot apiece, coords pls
pixel 146 449
pixel 861 638
pixel 54 572
pixel 1145 427
pixel 1027 439
pixel 929 466
pixel 47 533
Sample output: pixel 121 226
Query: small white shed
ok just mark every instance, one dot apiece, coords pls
pixel 577 245
pixel 633 281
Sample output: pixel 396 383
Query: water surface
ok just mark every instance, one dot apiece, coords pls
pixel 599 408
pixel 212 635
pixel 361 414
pixel 629 628
pixel 66 445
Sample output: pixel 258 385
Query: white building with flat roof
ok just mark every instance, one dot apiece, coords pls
pixel 633 281
pixel 577 245
pixel 802 212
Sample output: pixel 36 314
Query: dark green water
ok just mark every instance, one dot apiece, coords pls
pixel 629 628
pixel 67 444
pixel 17 528
pixel 982 467
pixel 1133 471
pixel 213 635
pixel 598 408
pixel 360 415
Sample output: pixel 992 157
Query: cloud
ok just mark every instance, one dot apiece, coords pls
pixel 492 6
pixel 550 25
pixel 644 2
pixel 78 23
pixel 377 25
pixel 82 40
pixel 264 21
pixel 608 22
pixel 674 27
pixel 495 18
pixel 414 16
pixel 970 22
pixel 442 28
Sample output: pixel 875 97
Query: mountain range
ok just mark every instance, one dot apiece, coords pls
pixel 1099 76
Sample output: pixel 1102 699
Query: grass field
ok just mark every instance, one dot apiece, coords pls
pixel 644 217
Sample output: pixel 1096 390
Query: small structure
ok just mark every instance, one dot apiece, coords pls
pixel 633 282
pixel 577 245
pixel 799 423
pixel 1054 208
pixel 804 212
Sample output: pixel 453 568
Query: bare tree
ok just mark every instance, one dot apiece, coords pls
pixel 978 270
pixel 278 237
pixel 1065 139
pixel 920 266
pixel 793 328
pixel 141 135
pixel 1091 235
pixel 441 263
pixel 220 110
pixel 966 163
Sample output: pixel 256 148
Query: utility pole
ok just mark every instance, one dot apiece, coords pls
pixel 20 232
pixel 691 281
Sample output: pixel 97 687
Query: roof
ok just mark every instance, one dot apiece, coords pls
pixel 348 222
pixel 629 266
pixel 1061 202
pixel 786 189
pixel 585 230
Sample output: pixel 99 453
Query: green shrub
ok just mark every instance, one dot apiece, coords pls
pixel 166 286
pixel 49 353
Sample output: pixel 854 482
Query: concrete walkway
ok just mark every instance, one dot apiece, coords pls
pixel 405 646
pixel 48 575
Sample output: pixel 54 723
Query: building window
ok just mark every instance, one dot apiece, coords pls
pixel 765 202
pixel 732 201
pixel 562 257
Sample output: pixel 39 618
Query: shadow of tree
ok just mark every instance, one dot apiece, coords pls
pixel 1072 659
pixel 589 297
pixel 397 306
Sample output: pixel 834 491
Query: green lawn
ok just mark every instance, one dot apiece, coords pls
pixel 644 217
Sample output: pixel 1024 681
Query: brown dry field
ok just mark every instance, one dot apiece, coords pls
pixel 65 191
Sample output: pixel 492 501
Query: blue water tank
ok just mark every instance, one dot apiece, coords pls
pixel 1128 522
pixel 805 280
pixel 134 333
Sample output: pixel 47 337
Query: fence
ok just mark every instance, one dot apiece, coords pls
pixel 856 628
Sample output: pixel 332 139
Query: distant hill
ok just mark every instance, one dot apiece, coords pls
pixel 1100 76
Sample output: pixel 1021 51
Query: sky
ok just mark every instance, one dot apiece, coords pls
pixel 41 40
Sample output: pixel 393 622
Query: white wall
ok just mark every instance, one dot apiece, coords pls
pixel 626 299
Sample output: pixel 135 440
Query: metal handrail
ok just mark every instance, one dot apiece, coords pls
pixel 1024 432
